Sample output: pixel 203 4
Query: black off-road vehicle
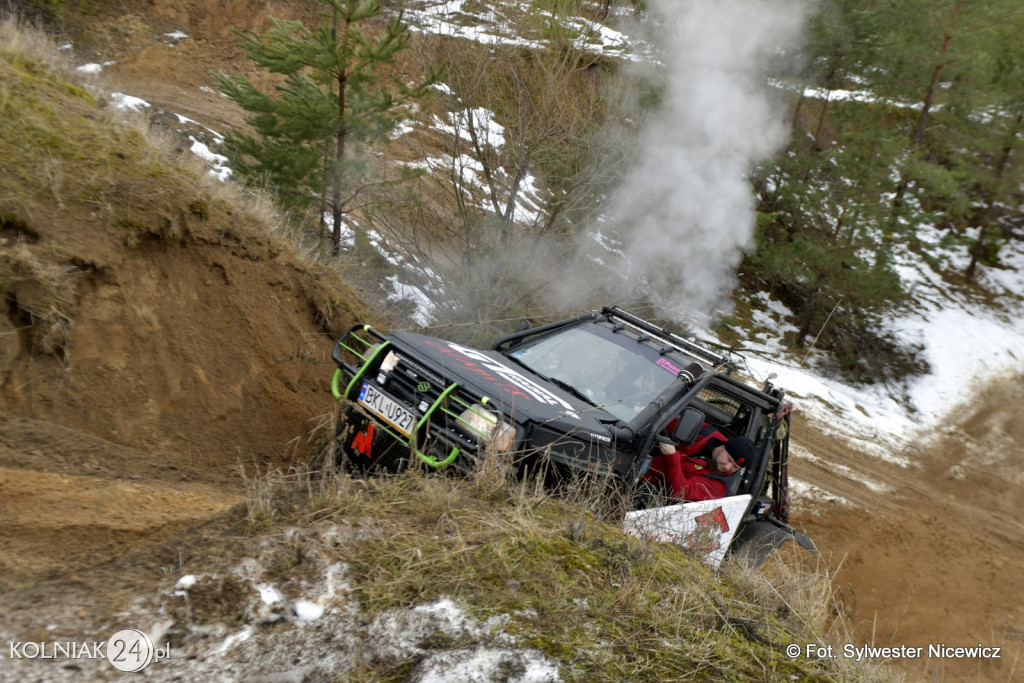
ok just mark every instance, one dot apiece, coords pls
pixel 593 393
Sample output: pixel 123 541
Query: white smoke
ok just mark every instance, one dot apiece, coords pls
pixel 684 214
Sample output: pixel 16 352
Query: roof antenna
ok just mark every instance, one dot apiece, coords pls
pixel 815 340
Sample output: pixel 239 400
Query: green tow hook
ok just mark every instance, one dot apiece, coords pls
pixel 429 459
pixel 336 384
pixel 434 462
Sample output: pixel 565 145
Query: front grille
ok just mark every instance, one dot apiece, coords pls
pixel 423 391
pixel 413 386
pixel 437 402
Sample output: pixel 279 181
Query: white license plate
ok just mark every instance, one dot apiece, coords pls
pixel 395 414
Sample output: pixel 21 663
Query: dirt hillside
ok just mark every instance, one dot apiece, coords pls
pixel 154 336
pixel 151 341
pixel 929 554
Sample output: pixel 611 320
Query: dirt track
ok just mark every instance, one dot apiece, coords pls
pixel 70 500
pixel 933 557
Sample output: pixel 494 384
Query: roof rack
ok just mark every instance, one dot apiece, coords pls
pixel 663 335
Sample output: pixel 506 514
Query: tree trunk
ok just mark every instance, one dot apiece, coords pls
pixel 840 222
pixel 933 86
pixel 810 308
pixel 820 126
pixel 917 137
pixel 339 155
pixel 795 121
pixel 976 250
pixel 990 209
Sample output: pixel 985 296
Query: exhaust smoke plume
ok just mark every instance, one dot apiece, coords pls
pixel 684 214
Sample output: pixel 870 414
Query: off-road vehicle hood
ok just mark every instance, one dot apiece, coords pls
pixel 524 395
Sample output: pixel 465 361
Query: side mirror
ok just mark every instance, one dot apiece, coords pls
pixel 689 425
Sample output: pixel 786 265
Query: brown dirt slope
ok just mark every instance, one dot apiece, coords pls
pixel 153 330
pixel 201 342
pixel 930 554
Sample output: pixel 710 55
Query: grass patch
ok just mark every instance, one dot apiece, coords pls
pixel 83 180
pixel 563 580
pixel 62 144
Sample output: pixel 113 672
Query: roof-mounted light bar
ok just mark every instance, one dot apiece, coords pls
pixel 665 336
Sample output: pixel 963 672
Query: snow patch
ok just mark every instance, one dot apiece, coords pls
pixel 128 102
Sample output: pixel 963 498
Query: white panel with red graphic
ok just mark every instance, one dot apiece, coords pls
pixel 707 524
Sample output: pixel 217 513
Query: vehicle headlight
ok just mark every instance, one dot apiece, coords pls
pixel 389 362
pixel 486 425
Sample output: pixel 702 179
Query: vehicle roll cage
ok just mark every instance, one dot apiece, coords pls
pixel 642 326
pixel 664 336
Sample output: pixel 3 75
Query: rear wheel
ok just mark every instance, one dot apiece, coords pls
pixel 757 540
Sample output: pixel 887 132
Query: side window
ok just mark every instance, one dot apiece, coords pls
pixel 724 410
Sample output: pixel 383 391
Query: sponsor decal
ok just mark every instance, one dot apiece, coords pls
pixel 668 365
pixel 715 517
pixel 709 528
pixel 511 381
pixel 363 442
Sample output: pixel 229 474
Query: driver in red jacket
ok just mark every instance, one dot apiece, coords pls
pixel 694 471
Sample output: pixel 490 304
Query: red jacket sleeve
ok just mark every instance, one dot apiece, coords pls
pixel 701 488
pixel 678 485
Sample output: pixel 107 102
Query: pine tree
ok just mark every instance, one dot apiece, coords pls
pixel 964 59
pixel 333 93
pixel 994 127
pixel 821 204
pixel 959 65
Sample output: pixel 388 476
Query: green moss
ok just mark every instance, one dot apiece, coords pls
pixel 606 605
pixel 200 208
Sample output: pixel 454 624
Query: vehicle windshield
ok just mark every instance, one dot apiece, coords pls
pixel 614 371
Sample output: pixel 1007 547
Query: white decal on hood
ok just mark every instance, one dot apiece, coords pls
pixel 526 384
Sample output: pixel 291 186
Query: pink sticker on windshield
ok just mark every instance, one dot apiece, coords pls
pixel 667 364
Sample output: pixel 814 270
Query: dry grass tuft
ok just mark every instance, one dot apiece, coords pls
pixel 27 41
pixel 263 494
pixel 562 575
pixel 40 294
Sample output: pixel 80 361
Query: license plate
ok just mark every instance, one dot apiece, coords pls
pixel 395 414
